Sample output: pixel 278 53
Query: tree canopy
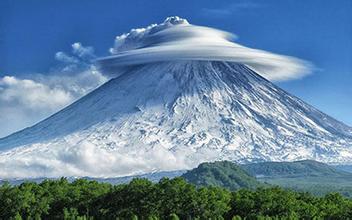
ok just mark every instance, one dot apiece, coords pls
pixel 167 199
pixel 223 174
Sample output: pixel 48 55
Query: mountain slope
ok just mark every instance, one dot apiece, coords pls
pixel 302 168
pixel 307 175
pixel 171 116
pixel 223 174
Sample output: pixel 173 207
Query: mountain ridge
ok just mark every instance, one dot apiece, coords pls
pixel 223 174
pixel 292 169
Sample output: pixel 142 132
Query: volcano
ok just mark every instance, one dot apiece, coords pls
pixel 174 114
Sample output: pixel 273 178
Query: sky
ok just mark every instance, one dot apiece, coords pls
pixel 45 46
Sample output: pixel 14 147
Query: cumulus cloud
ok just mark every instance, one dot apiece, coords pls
pixel 24 101
pixel 81 58
pixel 28 99
pixel 176 39
pixel 31 94
pixel 63 57
pixel 83 52
pixel 85 159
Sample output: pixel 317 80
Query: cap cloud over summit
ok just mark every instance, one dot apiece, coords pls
pixel 177 39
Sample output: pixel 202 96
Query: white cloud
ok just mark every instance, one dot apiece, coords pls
pixel 176 39
pixel 31 98
pixel 83 52
pixel 63 57
pixel 24 101
pixel 31 94
pixel 85 159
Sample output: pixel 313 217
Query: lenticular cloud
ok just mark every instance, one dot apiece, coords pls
pixel 176 39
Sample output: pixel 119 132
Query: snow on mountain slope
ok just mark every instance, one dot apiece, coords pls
pixel 174 115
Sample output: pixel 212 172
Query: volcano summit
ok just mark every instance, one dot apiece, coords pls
pixel 179 95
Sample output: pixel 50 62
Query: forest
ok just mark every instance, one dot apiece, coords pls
pixel 166 199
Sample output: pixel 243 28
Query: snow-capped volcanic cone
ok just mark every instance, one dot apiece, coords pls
pixel 180 95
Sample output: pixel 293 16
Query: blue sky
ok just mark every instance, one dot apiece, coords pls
pixel 32 32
